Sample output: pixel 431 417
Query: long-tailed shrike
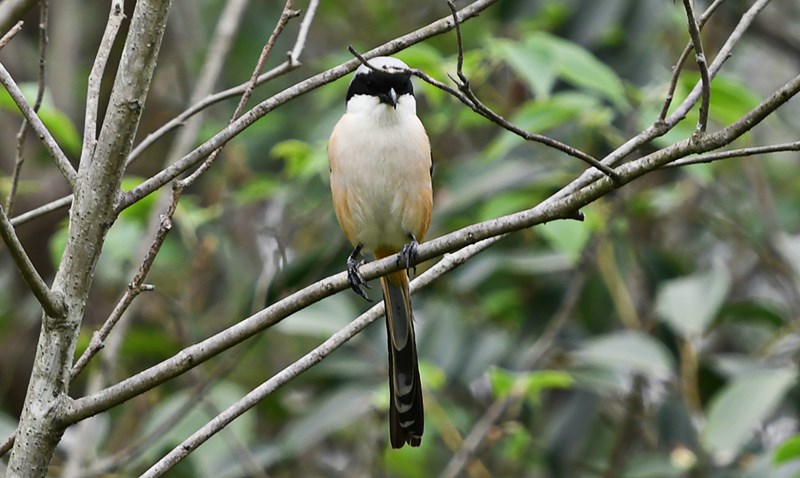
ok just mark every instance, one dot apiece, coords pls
pixel 380 161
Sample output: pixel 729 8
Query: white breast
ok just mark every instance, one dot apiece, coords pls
pixel 382 166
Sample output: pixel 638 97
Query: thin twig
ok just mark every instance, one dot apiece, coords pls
pixel 136 287
pixel 676 70
pixel 702 66
pixel 8 443
pixel 302 35
pixel 42 210
pixel 287 14
pixel 23 129
pixel 38 127
pixel 736 153
pixel 115 16
pixel 463 85
pixel 52 304
pixel 11 34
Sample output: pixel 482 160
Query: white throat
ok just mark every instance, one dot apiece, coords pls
pixel 380 112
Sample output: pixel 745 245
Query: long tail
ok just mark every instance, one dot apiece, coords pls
pixel 406 420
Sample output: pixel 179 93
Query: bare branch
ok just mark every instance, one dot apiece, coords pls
pixel 52 303
pixel 736 153
pixel 42 210
pixel 8 443
pixel 206 102
pixel 222 39
pixel 38 127
pixel 11 34
pixel 700 57
pixel 115 16
pixel 136 287
pixel 305 26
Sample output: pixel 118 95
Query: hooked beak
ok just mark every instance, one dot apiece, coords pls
pixel 390 98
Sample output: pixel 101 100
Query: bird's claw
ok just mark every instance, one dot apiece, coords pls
pixel 408 256
pixel 354 277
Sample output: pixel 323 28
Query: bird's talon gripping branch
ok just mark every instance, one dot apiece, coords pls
pixel 353 276
pixel 408 256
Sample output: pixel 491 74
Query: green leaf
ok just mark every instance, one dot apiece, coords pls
pixel 581 68
pixel 740 407
pixel 789 450
pixel 140 210
pixel 544 115
pixel 302 159
pixel 58 123
pixel 532 384
pixel 542 58
pixel 730 98
pixel 212 454
pixel 628 351
pixel 321 319
pixel 567 237
pixel 534 63
pixel 689 304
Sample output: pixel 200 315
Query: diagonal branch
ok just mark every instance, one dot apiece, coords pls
pixel 10 34
pixel 52 303
pixel 38 127
pixel 737 153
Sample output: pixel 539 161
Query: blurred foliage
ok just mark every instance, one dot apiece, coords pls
pixel 672 308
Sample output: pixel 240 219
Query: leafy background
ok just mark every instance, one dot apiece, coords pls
pixel 657 338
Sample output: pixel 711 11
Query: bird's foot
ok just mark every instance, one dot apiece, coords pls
pixel 408 256
pixel 353 276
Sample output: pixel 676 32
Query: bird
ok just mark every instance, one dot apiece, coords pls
pixel 380 177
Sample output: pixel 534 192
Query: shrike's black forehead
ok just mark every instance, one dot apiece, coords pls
pixel 376 83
